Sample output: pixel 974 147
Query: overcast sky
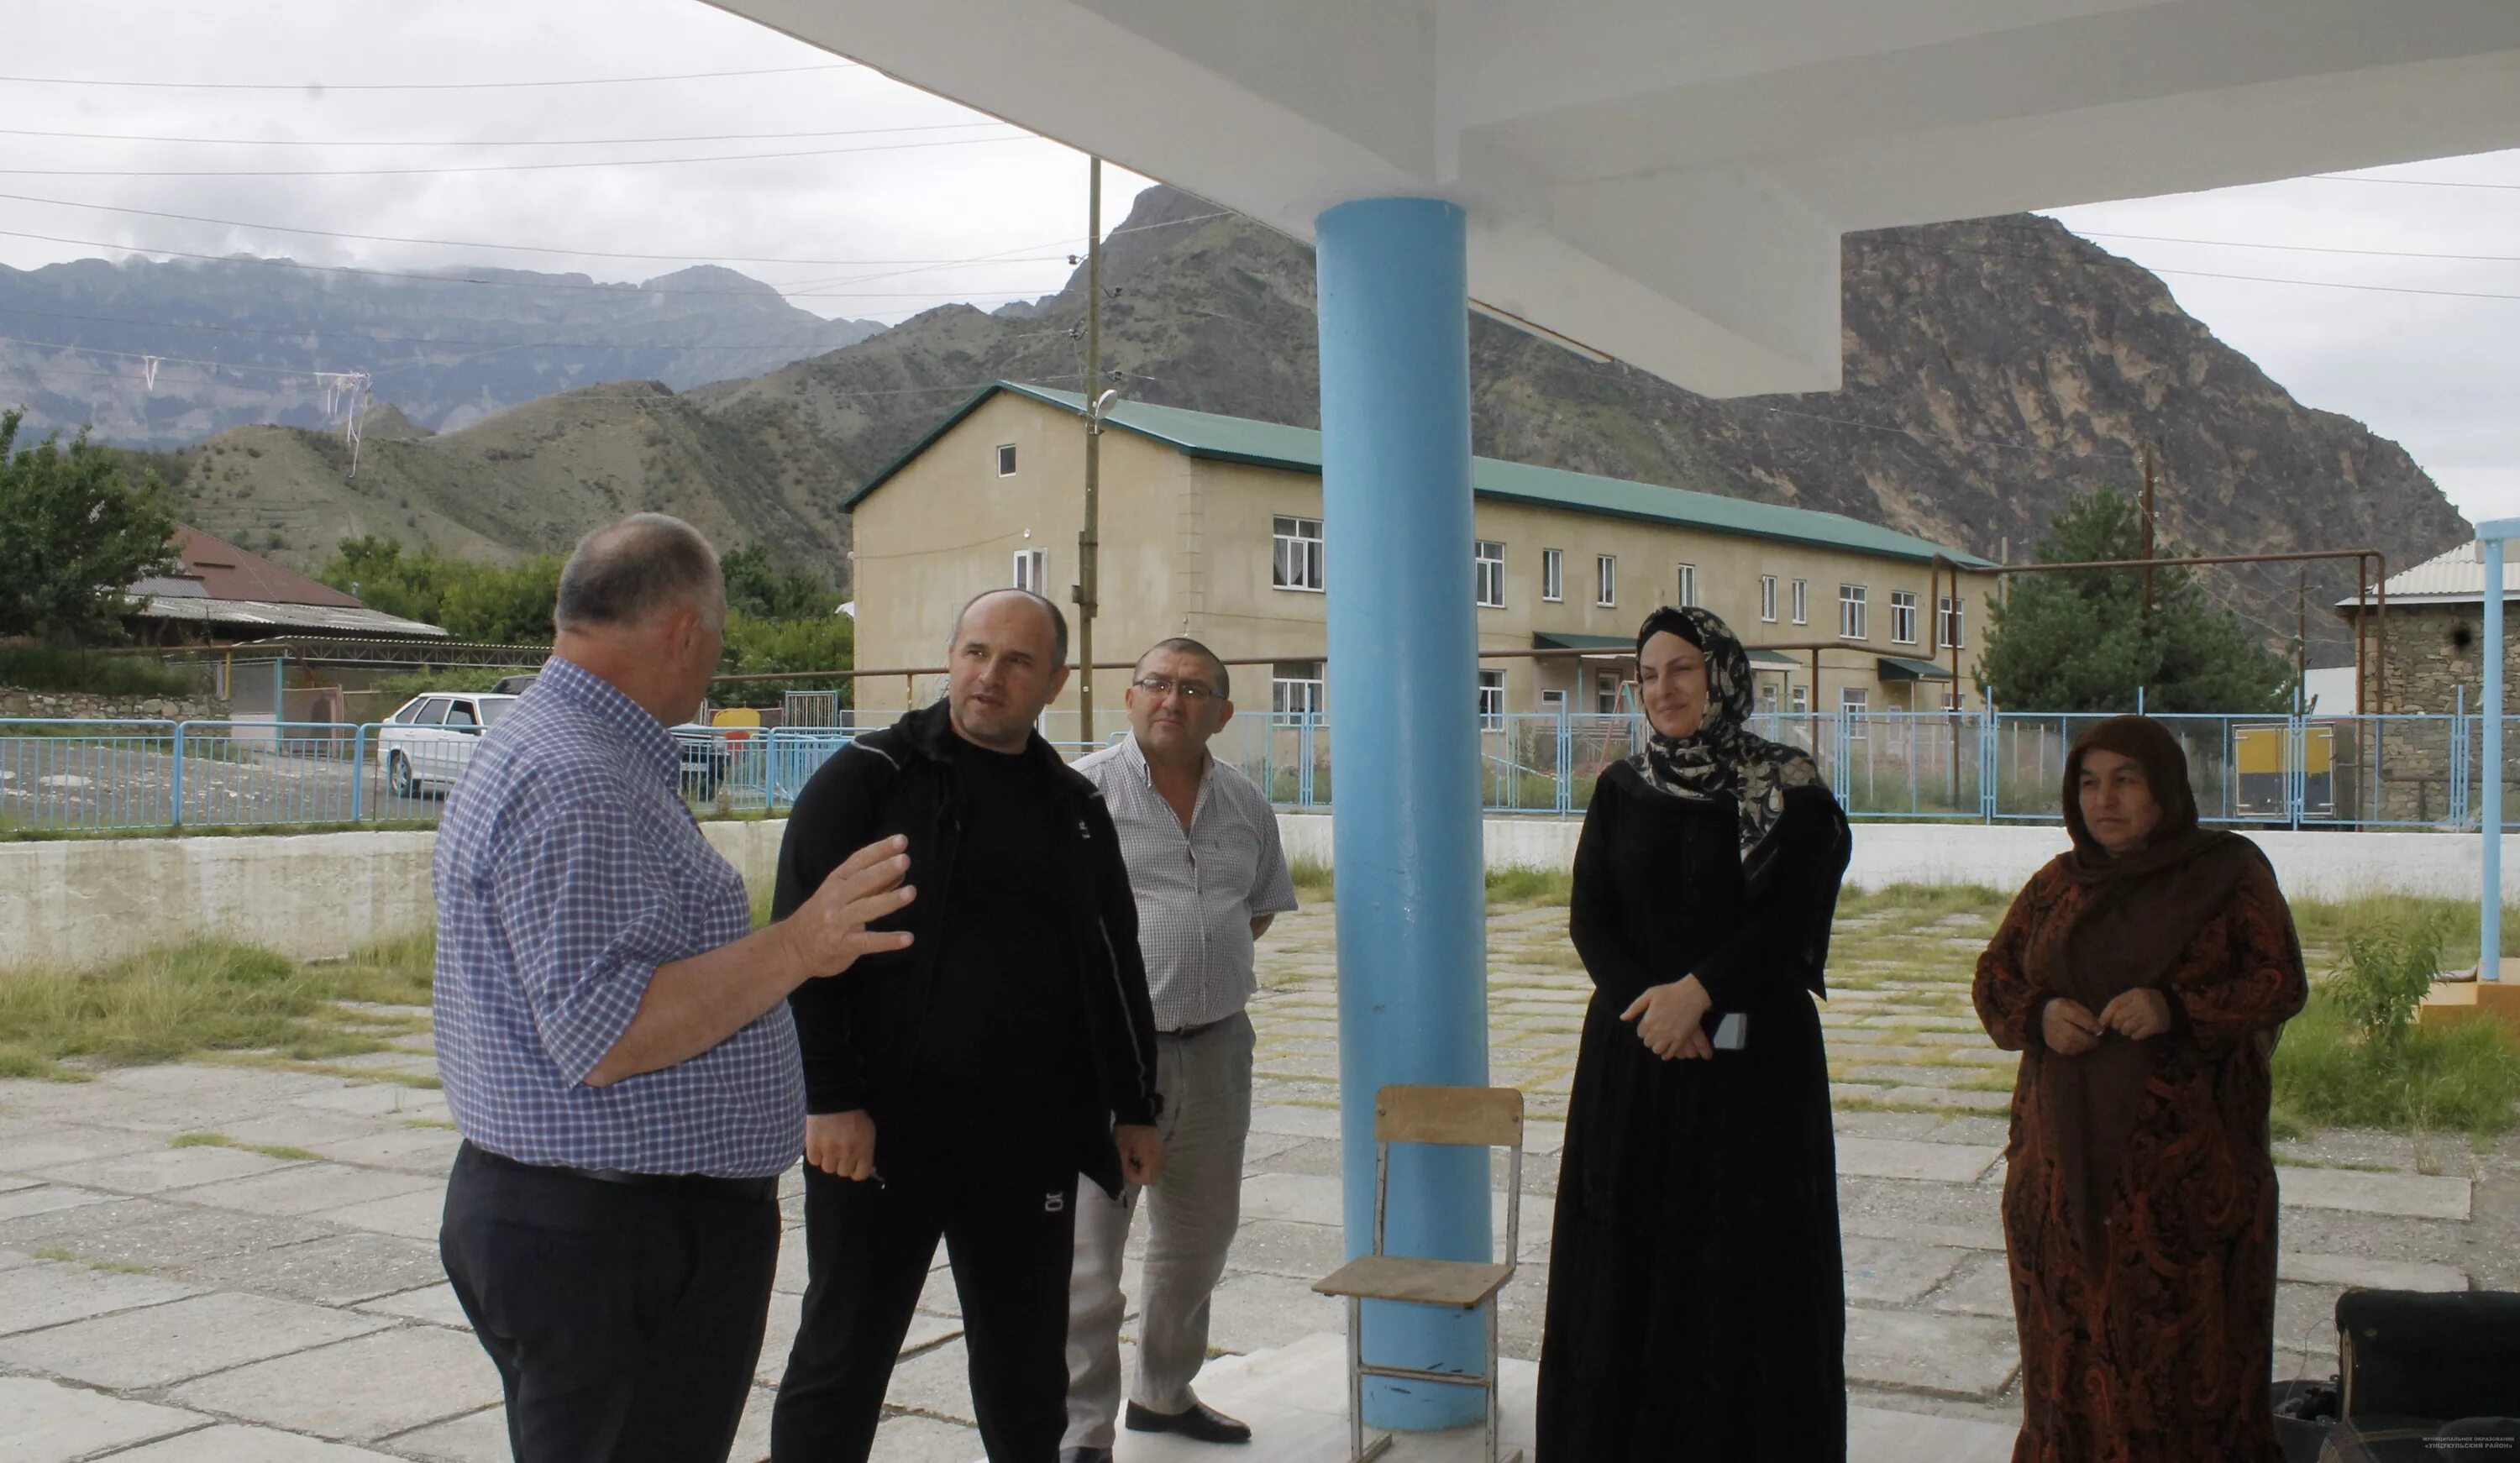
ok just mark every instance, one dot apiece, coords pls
pixel 908 201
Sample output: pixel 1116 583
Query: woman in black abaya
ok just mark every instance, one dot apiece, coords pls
pixel 1696 1308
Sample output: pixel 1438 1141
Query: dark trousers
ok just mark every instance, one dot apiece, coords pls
pixel 624 1320
pixel 1006 1213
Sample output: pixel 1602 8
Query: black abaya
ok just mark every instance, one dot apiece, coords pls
pixel 1696 1305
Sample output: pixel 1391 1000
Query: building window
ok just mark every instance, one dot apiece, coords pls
pixel 1296 688
pixel 1687 586
pixel 1802 601
pixel 1852 701
pixel 1491 695
pixel 1902 617
pixel 1767 598
pixel 1552 575
pixel 1798 699
pixel 1767 697
pixel 1605 693
pixel 1032 570
pixel 1554 702
pixel 1606 580
pixel 1851 622
pixel 1488 564
pixel 1950 627
pixel 1298 561
pixel 1006 459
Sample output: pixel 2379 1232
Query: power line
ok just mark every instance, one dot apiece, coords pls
pixel 502 142
pixel 497 167
pixel 2414 182
pixel 452 244
pixel 324 86
pixel 2307 249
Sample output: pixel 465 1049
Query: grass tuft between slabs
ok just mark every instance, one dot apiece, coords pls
pixel 206 996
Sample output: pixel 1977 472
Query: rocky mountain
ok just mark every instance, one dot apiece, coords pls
pixel 446 348
pixel 1994 371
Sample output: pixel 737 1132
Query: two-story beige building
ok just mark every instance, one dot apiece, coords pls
pixel 1212 527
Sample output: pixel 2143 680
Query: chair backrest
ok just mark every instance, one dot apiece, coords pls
pixel 1455 1117
pixel 1467 1117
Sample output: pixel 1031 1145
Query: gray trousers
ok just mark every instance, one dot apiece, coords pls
pixel 1192 1211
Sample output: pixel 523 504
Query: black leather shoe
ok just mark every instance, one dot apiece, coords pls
pixel 1085 1456
pixel 1200 1424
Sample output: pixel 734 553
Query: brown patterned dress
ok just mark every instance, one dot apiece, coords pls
pixel 2148 1337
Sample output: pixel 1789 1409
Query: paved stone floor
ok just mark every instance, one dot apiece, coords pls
pixel 211 1263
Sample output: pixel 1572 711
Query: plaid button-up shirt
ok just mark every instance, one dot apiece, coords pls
pixel 1198 889
pixel 567 869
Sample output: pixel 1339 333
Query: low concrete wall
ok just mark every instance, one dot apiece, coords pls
pixel 89 705
pixel 312 895
pixel 2004 856
pixel 320 895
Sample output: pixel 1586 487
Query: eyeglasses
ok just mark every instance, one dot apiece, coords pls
pixel 1192 692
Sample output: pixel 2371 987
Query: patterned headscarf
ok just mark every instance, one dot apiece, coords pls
pixel 1724 759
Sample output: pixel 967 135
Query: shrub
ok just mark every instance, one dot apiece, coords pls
pixel 45 668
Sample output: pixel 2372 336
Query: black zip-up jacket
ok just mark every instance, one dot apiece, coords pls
pixel 859 1030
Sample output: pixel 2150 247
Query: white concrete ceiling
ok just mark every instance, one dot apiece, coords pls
pixel 1665 181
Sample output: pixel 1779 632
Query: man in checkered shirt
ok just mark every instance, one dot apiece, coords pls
pixel 614 1038
pixel 1208 872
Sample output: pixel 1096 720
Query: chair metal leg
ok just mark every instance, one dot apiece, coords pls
pixel 1355 1380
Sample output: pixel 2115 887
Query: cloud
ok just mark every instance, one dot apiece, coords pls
pixel 2431 372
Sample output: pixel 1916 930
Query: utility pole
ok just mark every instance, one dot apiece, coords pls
pixel 1089 540
pixel 2147 536
pixel 2301 638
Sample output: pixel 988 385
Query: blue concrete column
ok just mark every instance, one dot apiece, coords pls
pixel 1403 749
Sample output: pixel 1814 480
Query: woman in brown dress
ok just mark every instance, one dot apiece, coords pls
pixel 2143 977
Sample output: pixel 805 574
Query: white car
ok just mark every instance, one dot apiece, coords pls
pixel 427 742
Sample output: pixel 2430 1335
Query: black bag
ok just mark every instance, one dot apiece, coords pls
pixel 2423 1368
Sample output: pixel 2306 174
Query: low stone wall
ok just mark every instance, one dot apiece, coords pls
pixel 317 895
pixel 90 705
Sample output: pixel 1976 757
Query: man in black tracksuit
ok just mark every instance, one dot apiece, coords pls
pixel 956 1088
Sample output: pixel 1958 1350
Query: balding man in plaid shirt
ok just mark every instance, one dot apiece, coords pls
pixel 613 1038
pixel 1206 864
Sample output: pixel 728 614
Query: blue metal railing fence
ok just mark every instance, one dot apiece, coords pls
pixel 1975 766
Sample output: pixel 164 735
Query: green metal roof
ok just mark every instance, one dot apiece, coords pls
pixel 1901 668
pixel 1297 449
pixel 1771 657
pixel 1551 640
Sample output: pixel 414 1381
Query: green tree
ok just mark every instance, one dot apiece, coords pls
pixel 76 531
pixel 822 642
pixel 2080 642
pixel 488 603
pixel 771 589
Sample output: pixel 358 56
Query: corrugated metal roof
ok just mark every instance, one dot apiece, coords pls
pixel 1903 667
pixel 228 572
pixel 1267 444
pixel 2455 577
pixel 331 619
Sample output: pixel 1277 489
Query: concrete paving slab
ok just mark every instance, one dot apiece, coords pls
pixel 2417 1196
pixel 25 1147
pixel 158 1234
pixel 434 1303
pixel 921 1440
pixel 1982 1285
pixel 163 1345
pixel 1254 1312
pixel 1285 1247
pixel 335 1392
pixel 410 1150
pixel 155 1172
pixel 303 1128
pixel 342 1270
pixel 229 1443
pixel 2374 1274
pixel 1904 1158
pixel 1959 1097
pixel 381 1099
pixel 50 1423
pixel 2306 1317
pixel 51 1293
pixel 414 1214
pixel 474 1437
pixel 1878 1435
pixel 38 1197
pixel 1295 1122
pixel 1925 1352
pixel 936 1382
pixel 11 1260
pixel 1885 1273
pixel 790 1276
pixel 305 1189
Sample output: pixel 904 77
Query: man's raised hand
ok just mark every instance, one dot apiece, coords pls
pixel 829 932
